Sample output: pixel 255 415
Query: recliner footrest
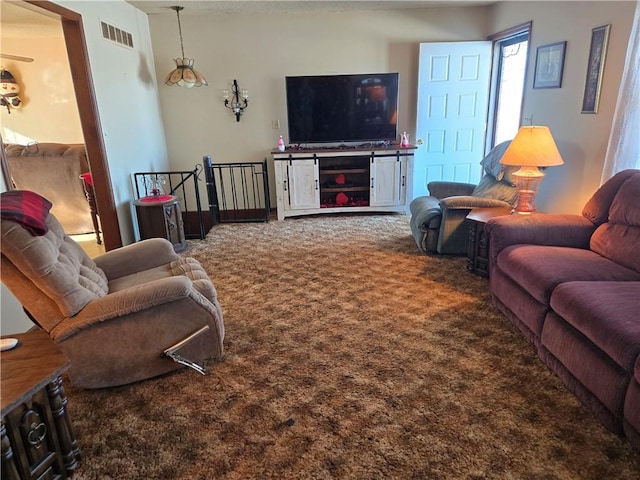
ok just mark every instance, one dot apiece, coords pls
pixel 172 351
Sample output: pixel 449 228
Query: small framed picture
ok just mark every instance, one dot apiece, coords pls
pixel 595 69
pixel 549 65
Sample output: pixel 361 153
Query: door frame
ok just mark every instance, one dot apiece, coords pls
pixel 498 38
pixel 90 121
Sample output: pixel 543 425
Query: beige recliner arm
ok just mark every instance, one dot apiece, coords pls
pixel 135 299
pixel 148 254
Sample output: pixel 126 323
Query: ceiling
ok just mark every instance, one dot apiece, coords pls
pixel 153 7
pixel 19 18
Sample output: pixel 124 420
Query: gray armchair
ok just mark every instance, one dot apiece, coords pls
pixel 438 220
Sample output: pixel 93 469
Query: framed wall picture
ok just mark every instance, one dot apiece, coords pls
pixel 595 68
pixel 549 65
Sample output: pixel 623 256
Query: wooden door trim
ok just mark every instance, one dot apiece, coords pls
pixel 91 129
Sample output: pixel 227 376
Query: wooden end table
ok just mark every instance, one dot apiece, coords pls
pixel 37 438
pixel 160 217
pixel 478 246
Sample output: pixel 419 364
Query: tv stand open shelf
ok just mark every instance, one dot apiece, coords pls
pixel 342 180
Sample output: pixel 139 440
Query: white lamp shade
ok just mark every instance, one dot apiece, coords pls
pixel 533 146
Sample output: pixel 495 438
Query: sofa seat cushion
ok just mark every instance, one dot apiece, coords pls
pixel 606 313
pixel 539 269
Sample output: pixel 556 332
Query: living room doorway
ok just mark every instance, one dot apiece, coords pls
pixel 84 96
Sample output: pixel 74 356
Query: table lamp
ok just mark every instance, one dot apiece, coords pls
pixel 532 147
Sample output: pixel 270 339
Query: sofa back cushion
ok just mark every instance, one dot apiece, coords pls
pixel 599 205
pixel 618 239
pixel 492 166
pixel 497 182
pixel 489 187
pixel 56 264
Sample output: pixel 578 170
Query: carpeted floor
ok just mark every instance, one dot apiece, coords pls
pixel 348 356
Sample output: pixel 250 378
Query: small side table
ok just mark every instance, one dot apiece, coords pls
pixel 160 217
pixel 478 246
pixel 37 438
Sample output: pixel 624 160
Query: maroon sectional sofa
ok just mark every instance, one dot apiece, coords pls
pixel 571 284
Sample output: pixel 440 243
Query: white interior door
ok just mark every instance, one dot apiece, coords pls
pixel 453 95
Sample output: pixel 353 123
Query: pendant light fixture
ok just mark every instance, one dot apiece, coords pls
pixel 184 74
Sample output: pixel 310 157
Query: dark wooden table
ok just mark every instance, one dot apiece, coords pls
pixel 478 246
pixel 37 437
pixel 161 218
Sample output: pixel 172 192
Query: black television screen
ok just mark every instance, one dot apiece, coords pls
pixel 342 108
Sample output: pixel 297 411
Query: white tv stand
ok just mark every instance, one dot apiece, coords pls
pixel 339 180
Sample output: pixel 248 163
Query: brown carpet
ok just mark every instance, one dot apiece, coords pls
pixel 348 356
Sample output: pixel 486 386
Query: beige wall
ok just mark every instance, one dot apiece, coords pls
pixel 260 50
pixel 49 112
pixel 127 102
pixel 581 138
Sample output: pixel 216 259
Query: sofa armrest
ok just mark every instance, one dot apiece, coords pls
pixel 562 230
pixel 146 254
pixel 124 302
pixel 450 189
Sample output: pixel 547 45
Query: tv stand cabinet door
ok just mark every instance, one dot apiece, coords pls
pixel 303 182
pixel 388 180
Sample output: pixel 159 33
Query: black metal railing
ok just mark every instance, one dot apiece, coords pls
pixel 238 192
pixel 183 185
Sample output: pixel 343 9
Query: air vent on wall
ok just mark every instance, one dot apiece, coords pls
pixel 117 35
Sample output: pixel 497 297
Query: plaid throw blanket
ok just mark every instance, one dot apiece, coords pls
pixel 26 208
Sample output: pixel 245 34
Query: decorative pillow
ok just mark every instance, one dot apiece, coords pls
pixel 489 187
pixel 492 166
pixel 26 208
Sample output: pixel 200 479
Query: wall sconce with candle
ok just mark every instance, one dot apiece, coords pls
pixel 533 147
pixel 236 100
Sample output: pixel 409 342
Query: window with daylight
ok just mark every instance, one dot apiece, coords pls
pixel 510 53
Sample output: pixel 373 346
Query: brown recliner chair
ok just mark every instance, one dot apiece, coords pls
pixel 133 313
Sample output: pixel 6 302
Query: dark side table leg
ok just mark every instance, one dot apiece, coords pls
pixel 68 443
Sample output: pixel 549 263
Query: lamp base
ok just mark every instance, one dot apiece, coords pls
pixel 528 180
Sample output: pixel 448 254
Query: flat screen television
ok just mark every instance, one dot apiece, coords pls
pixel 342 108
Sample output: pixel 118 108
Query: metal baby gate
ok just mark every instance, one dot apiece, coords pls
pixel 238 192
